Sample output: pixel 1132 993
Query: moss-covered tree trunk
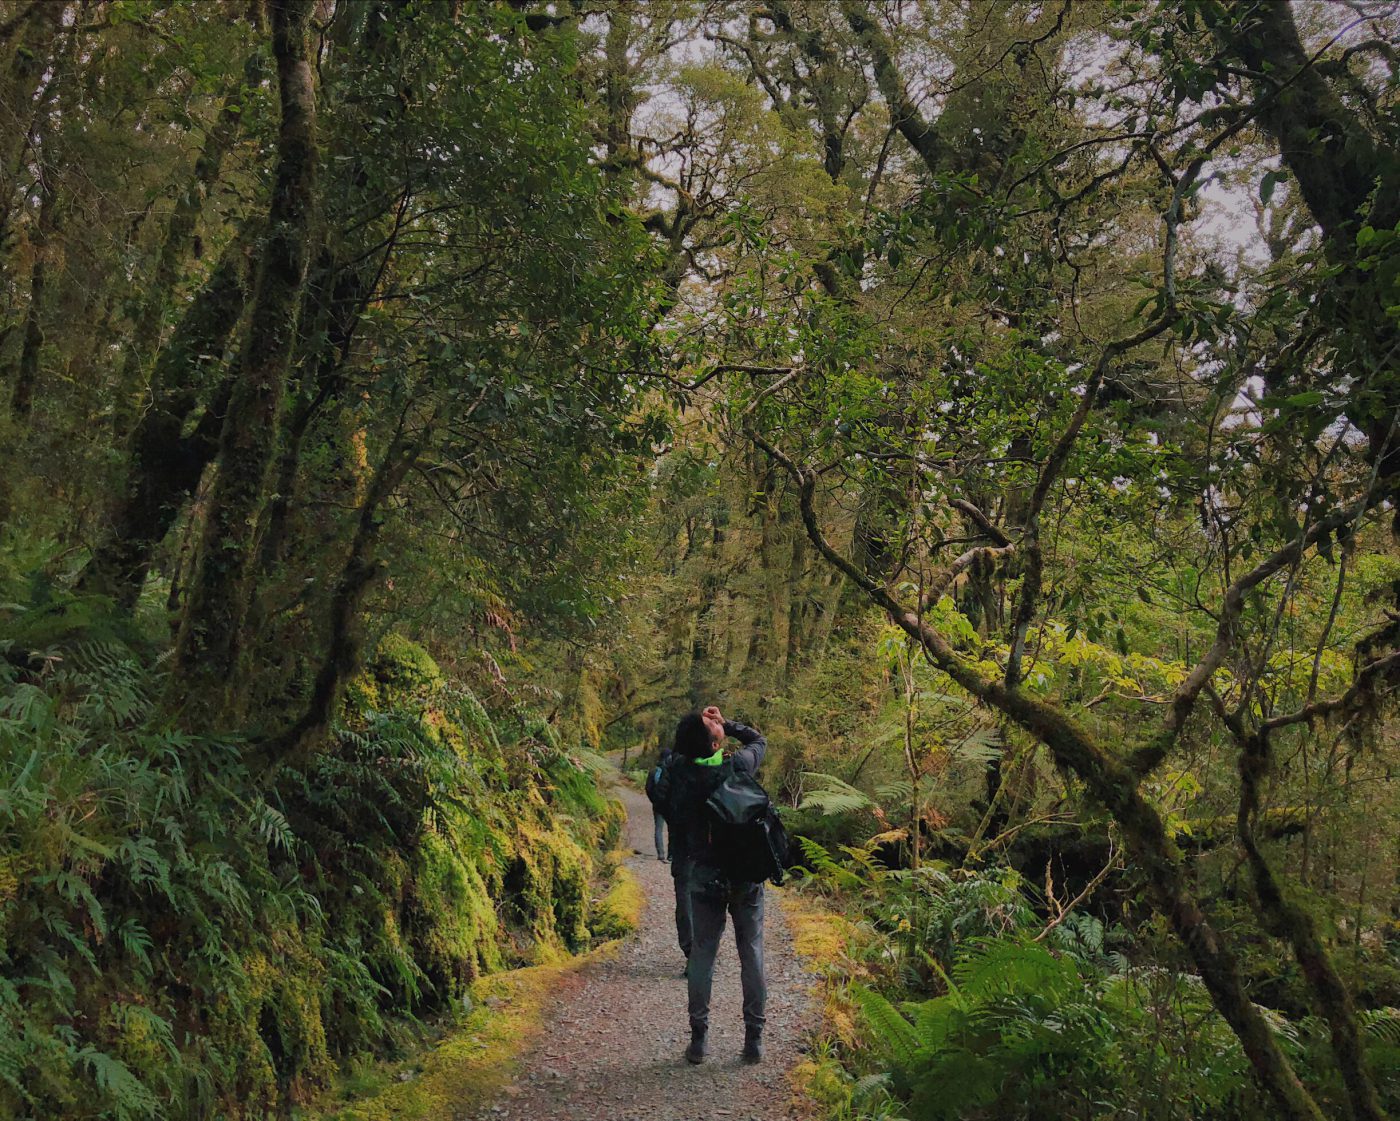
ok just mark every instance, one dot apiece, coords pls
pixel 25 77
pixel 167 458
pixel 357 575
pixel 48 133
pixel 172 261
pixel 211 634
pixel 1293 923
pixel 1348 176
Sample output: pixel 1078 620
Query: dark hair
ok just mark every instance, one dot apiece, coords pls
pixel 693 736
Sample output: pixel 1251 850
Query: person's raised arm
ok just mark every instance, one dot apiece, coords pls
pixel 750 756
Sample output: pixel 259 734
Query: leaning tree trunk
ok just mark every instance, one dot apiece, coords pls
pixel 211 633
pixel 1292 922
pixel 343 649
pixel 141 347
pixel 166 460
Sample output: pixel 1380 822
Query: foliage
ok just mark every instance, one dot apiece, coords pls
pixel 178 939
pixel 994 403
pixel 1031 1019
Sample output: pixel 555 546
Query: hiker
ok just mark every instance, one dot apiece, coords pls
pixel 703 891
pixel 658 783
pixel 658 819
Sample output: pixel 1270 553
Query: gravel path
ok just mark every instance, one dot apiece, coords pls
pixel 612 1049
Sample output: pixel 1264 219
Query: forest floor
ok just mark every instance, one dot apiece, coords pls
pixel 612 1042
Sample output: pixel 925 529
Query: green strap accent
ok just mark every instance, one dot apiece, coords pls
pixel 711 761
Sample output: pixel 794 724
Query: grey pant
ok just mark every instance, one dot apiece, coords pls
pixel 659 822
pixel 684 934
pixel 708 905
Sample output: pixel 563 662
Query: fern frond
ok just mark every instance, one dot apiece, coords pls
pixel 890 1030
pixel 1382 1025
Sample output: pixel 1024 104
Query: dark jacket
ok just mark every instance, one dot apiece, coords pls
pixel 688 785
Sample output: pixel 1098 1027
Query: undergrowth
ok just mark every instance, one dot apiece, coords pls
pixel 182 937
pixel 953 999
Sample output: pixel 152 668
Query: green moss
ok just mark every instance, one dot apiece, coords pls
pixel 399 674
pixel 830 945
pixel 460 927
pixel 619 912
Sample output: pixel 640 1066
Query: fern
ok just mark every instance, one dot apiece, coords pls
pixel 826 869
pixel 890 1030
pixel 831 795
pixel 1382 1025
pixel 982 747
pixel 128 1096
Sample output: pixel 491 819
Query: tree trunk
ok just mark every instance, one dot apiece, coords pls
pixel 1347 178
pixel 179 233
pixel 211 635
pixel 343 649
pixel 166 463
pixel 26 376
pixel 351 289
pixel 1114 786
pixel 1293 923
pixel 46 229
pixel 24 78
pixel 798 611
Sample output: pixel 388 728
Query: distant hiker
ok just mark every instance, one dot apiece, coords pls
pixel 658 787
pixel 658 819
pixel 708 883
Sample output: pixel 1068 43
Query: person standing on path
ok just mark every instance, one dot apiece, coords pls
pixel 692 778
pixel 658 820
pixel 658 781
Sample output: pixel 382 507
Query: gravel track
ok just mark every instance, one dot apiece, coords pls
pixel 611 1049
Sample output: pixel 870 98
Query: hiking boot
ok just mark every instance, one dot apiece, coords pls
pixel 753 1045
pixel 697 1050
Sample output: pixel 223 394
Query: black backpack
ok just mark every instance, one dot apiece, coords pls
pixel 747 835
pixel 658 783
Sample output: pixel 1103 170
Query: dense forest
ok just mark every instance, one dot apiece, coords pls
pixel 404 403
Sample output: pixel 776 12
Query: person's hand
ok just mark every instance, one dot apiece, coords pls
pixel 715 723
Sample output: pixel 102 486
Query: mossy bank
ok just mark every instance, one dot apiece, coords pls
pixel 181 936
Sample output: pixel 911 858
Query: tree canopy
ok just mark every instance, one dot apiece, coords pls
pixel 997 402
